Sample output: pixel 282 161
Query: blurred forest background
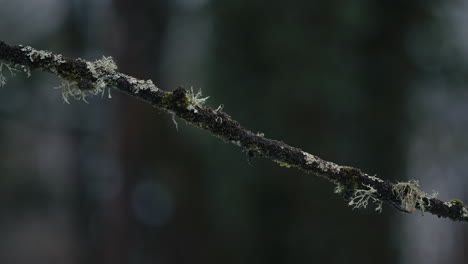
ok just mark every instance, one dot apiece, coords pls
pixel 379 85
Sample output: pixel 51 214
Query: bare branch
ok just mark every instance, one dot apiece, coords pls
pixel 83 78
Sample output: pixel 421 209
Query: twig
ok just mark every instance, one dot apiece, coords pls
pixel 82 78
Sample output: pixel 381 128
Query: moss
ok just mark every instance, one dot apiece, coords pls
pixel 351 177
pixel 70 76
pixel 252 149
pixel 166 98
pixel 175 100
pixel 184 103
pixel 77 72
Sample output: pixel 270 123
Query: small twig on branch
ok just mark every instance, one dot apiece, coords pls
pixel 82 78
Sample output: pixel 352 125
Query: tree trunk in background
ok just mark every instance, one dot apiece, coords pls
pixel 152 151
pixel 139 39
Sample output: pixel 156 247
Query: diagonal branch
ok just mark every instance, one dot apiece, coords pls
pixel 82 78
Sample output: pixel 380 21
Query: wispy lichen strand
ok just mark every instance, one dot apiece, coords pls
pixel 361 198
pixel 82 78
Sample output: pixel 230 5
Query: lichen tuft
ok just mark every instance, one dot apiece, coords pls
pixel 102 70
pixel 195 100
pixel 12 69
pixel 362 197
pixel 3 79
pixel 411 196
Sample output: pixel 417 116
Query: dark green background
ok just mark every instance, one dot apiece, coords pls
pixel 379 85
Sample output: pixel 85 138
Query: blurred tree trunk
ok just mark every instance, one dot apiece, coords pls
pixel 141 27
pixel 152 149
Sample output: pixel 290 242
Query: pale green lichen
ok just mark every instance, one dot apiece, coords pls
pixel 105 66
pixel 140 85
pixel 220 108
pixel 103 70
pixel 373 178
pixel 411 196
pixel 173 117
pixel 36 55
pixel 70 90
pixel 339 188
pixel 195 100
pixel 465 212
pixel 362 197
pixel 325 166
pixel 12 69
pixel 282 163
pixel 236 142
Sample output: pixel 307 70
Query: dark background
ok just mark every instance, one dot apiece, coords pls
pixel 379 85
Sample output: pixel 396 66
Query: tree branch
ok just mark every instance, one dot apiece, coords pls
pixel 82 78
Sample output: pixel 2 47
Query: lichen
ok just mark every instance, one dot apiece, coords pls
pixel 339 188
pixel 70 89
pixel 323 165
pixel 373 178
pixel 195 100
pixel 173 118
pixel 465 212
pixel 102 70
pixel 411 196
pixel 35 54
pixel 236 142
pixel 74 85
pixel 220 108
pixel 140 85
pixel 282 163
pixel 3 79
pixel 12 69
pixel 361 198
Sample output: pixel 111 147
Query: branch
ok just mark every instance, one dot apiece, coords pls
pixel 82 78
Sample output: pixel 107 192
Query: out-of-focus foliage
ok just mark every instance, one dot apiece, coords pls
pixel 378 85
